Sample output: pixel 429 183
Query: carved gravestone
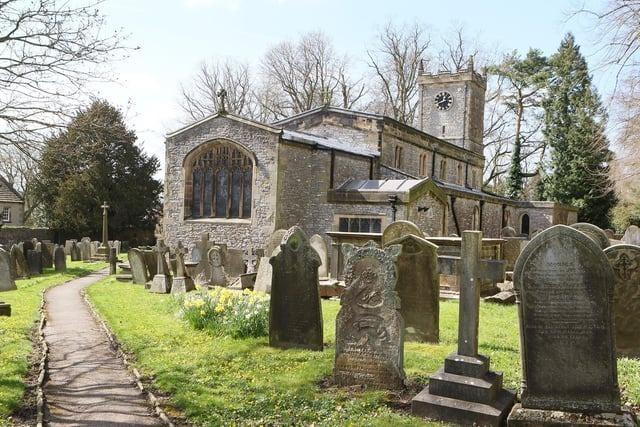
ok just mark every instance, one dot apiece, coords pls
pixel 398 229
pixel 251 258
pixel 113 260
pixel 218 276
pixel 182 282
pixel 511 249
pixel 59 259
pixel 234 262
pixel 139 271
pixel 263 277
pixel 67 247
pixel 564 285
pixel 625 261
pixel 465 391
pixel 594 232
pixel 85 249
pixel 508 232
pixel 150 261
pixel 317 242
pixel 161 283
pixel 75 251
pixel 7 282
pixel 200 255
pixel 274 242
pixel 418 288
pixel 369 326
pixel 295 315
pixel 19 262
pixel 34 262
pixel 632 235
pixel 47 254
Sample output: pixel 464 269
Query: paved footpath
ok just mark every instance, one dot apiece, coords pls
pixel 88 384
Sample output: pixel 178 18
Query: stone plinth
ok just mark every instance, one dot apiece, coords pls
pixel 5 309
pixel 161 284
pixel 182 285
pixel 522 417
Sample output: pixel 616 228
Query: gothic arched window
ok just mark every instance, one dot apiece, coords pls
pixel 221 180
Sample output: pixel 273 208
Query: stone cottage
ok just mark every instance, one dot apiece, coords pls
pixel 11 204
pixel 331 169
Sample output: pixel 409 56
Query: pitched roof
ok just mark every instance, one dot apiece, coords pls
pixel 379 190
pixel 328 143
pixel 228 116
pixel 7 192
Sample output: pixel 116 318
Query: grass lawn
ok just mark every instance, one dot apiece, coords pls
pixel 15 343
pixel 223 381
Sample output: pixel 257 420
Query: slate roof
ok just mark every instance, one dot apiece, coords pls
pixel 379 190
pixel 327 143
pixel 8 194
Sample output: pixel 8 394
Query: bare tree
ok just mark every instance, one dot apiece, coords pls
pixel 50 50
pixel 396 62
pixel 200 98
pixel 308 73
pixel 456 50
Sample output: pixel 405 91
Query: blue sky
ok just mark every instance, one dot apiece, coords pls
pixel 176 35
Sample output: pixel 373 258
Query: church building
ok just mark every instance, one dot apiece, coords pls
pixel 331 169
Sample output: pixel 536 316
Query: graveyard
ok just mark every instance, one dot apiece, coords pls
pixel 274 213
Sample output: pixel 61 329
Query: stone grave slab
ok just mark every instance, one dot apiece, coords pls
pixel 295 314
pixel 161 283
pixel 7 282
pixel 219 276
pixel 47 254
pixel 565 286
pixel 263 277
pixel 19 262
pixel 398 229
pixel 34 262
pixel 273 242
pixel 317 242
pixel 418 288
pixel 234 262
pixel 369 326
pixel 625 262
pixel 182 282
pixel 75 251
pixel 594 232
pixel 508 232
pixel 632 235
pixel 59 259
pixel 139 271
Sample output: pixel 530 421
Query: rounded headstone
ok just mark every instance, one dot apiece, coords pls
pixel 625 262
pixel 274 242
pixel 317 242
pixel 632 235
pixel 594 232
pixel 508 232
pixel 399 229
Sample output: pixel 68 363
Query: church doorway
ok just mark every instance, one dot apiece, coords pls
pixel 524 224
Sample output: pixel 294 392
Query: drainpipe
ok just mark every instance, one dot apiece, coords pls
pixel 455 218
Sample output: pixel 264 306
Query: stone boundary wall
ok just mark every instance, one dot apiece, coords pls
pixel 10 235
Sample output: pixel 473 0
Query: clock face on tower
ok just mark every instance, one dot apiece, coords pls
pixel 444 101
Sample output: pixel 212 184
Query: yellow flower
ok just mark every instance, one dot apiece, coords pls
pixel 219 308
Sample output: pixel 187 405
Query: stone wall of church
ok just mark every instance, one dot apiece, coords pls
pixel 351 129
pixel 237 233
pixel 430 222
pixel 491 219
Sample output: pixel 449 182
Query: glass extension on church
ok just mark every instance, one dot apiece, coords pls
pixel 222 178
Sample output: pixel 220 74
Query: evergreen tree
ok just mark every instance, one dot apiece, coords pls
pixel 575 132
pixel 526 79
pixel 96 159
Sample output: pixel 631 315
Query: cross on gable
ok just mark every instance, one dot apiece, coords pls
pixel 222 94
pixel 105 206
pixel 471 270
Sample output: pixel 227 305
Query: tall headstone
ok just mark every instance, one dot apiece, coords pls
pixel 594 232
pixel 67 247
pixel 181 282
pixel 564 285
pixel 34 262
pixel 139 271
pixel 263 278
pixel 317 242
pixel 274 242
pixel 399 229
pixel 234 262
pixel 85 249
pixel 113 260
pixel 632 235
pixel 218 276
pixel 7 282
pixel 47 254
pixel 625 261
pixel 369 326
pixel 59 259
pixel 161 283
pixel 19 262
pixel 295 315
pixel 200 255
pixel 251 259
pixel 418 288
pixel 75 251
pixel 465 391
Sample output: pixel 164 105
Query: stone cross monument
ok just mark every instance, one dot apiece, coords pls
pixel 465 391
pixel 103 250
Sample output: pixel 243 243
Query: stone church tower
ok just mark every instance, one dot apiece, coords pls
pixel 452 107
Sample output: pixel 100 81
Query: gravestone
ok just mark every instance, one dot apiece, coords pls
pixel 5 309
pixel 93 246
pixel 317 242
pixel 202 272
pixel 274 242
pixel 47 254
pixel 369 326
pixel 161 283
pixel 610 233
pixel 263 277
pixel 67 247
pixel 19 262
pixel 632 235
pixel 418 288
pixel 150 261
pixel 85 249
pixel 118 245
pixel 564 285
pixel 251 258
pixel 234 262
pixel 59 259
pixel 7 282
pixel 295 314
pixel 508 232
pixel 113 260
pixel 465 391
pixel 75 251
pixel 399 229
pixel 218 276
pixel 625 262
pixel 139 271
pixel 34 262
pixel 511 249
pixel 594 232
pixel 181 282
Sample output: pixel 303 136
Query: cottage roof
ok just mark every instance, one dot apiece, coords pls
pixel 8 194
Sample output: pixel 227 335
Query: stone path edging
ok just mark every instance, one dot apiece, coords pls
pixel 44 355
pixel 122 355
